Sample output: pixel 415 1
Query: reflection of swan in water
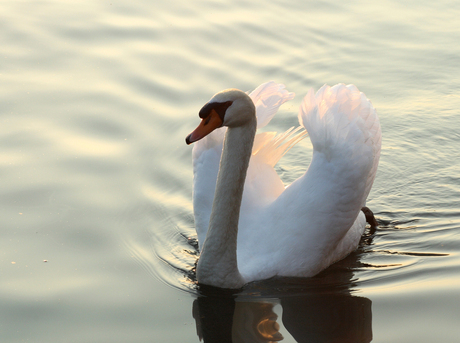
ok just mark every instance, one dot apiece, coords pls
pixel 222 319
pixel 318 309
pixel 255 322
pixel 269 230
pixel 313 317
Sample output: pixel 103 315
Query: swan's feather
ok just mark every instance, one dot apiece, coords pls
pixel 276 146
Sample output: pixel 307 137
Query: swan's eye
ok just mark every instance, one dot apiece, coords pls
pixel 219 107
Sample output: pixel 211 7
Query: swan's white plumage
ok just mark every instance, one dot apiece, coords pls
pixel 300 230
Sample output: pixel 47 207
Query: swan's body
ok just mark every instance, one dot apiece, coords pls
pixel 268 230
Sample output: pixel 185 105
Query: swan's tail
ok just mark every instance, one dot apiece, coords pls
pixel 342 122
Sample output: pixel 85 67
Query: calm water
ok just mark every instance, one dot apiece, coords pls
pixel 96 214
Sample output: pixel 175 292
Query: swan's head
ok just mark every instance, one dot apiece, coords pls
pixel 231 108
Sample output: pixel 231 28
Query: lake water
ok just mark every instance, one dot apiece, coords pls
pixel 97 97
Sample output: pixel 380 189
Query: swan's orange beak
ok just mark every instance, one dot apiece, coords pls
pixel 207 125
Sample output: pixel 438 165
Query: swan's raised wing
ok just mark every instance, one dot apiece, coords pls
pixel 309 223
pixel 342 121
pixel 267 98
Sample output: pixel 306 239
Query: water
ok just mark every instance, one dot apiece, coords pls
pixel 96 100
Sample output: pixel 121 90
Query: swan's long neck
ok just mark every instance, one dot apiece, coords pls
pixel 218 261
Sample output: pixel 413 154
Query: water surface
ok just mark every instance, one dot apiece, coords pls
pixel 97 226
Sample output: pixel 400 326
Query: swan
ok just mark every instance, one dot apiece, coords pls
pixel 249 226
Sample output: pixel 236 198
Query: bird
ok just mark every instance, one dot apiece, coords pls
pixel 250 226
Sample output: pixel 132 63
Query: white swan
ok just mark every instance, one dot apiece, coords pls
pixel 266 229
